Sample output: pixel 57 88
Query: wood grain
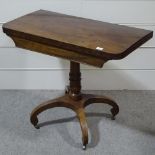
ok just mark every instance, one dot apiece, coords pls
pixel 77 34
pixel 58 52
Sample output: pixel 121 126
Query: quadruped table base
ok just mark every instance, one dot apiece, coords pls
pixel 75 100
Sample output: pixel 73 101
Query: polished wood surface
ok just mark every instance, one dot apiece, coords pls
pixel 79 35
pixel 76 40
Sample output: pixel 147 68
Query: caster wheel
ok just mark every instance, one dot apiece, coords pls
pixel 37 127
pixel 84 147
pixel 113 118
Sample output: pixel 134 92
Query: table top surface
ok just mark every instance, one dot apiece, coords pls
pixel 78 34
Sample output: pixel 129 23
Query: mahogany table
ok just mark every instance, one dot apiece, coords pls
pixel 78 40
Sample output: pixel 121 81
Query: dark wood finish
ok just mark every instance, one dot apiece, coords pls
pixel 75 39
pixel 79 37
pixel 46 49
pixel 75 81
pixel 76 101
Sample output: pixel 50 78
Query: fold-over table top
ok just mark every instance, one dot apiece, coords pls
pixel 84 36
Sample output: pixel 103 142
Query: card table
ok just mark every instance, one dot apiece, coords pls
pixel 78 40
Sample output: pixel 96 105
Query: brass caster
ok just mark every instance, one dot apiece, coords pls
pixel 113 118
pixel 37 127
pixel 84 147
